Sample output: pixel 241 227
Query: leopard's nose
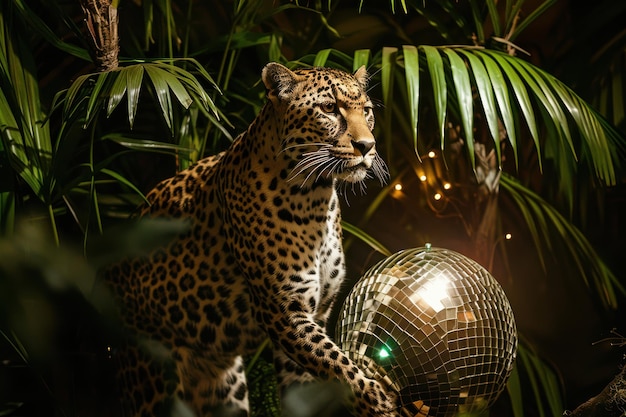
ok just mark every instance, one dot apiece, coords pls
pixel 363 146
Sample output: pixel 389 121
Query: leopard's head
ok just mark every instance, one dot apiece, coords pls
pixel 326 121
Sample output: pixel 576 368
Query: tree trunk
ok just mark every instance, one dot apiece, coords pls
pixel 101 22
pixel 611 402
pixel 482 186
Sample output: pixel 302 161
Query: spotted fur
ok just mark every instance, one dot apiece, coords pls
pixel 263 256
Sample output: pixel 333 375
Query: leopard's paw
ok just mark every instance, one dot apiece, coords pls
pixel 373 400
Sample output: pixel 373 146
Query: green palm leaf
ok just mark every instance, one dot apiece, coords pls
pixel 412 74
pixel 514 388
pixel 191 84
pixel 321 57
pixel 501 91
pixel 34 23
pixel 118 90
pixel 463 89
pixel 361 58
pixel 7 210
pixel 543 380
pixel 134 80
pixel 387 71
pixel 26 140
pixel 147 145
pixel 575 131
pixel 72 94
pixel 520 92
pixel 365 237
pixel 162 93
pixel 170 83
pixel 437 74
pixel 495 18
pixel 487 98
pixel 549 228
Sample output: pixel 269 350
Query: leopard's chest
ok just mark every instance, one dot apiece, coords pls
pixel 287 239
pixel 331 274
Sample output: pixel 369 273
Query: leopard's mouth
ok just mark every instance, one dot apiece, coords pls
pixel 353 173
pixel 359 162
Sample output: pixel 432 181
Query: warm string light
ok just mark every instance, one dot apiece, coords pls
pixel 430 178
pixel 427 174
pixel 397 191
pixel 502 238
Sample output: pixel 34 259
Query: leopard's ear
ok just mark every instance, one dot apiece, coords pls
pixel 279 80
pixel 362 77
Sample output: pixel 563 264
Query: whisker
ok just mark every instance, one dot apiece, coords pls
pixel 300 145
pixel 380 170
pixel 310 160
pixel 331 167
pixel 344 192
pixel 321 164
pixel 309 157
pixel 306 164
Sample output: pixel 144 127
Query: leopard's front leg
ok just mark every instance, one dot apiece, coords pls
pixel 308 345
pixel 286 311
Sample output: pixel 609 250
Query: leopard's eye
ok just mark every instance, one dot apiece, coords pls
pixel 329 107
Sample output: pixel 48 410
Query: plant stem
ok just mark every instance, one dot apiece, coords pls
pixel 53 224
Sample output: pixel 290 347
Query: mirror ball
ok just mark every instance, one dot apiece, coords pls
pixel 435 326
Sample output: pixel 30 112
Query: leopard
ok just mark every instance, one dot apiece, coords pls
pixel 262 255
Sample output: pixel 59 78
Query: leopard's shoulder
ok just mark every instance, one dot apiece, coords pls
pixel 179 195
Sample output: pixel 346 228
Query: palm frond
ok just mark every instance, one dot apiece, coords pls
pixel 361 58
pixel 549 228
pixel 7 211
pixel 514 388
pixel 146 145
pixel 464 94
pixel 171 84
pixel 501 20
pixel 485 92
pixel 459 76
pixel 387 75
pixel 412 75
pixel 513 28
pixel 36 24
pixel 607 91
pixel 436 71
pixel 26 141
pixel 544 382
